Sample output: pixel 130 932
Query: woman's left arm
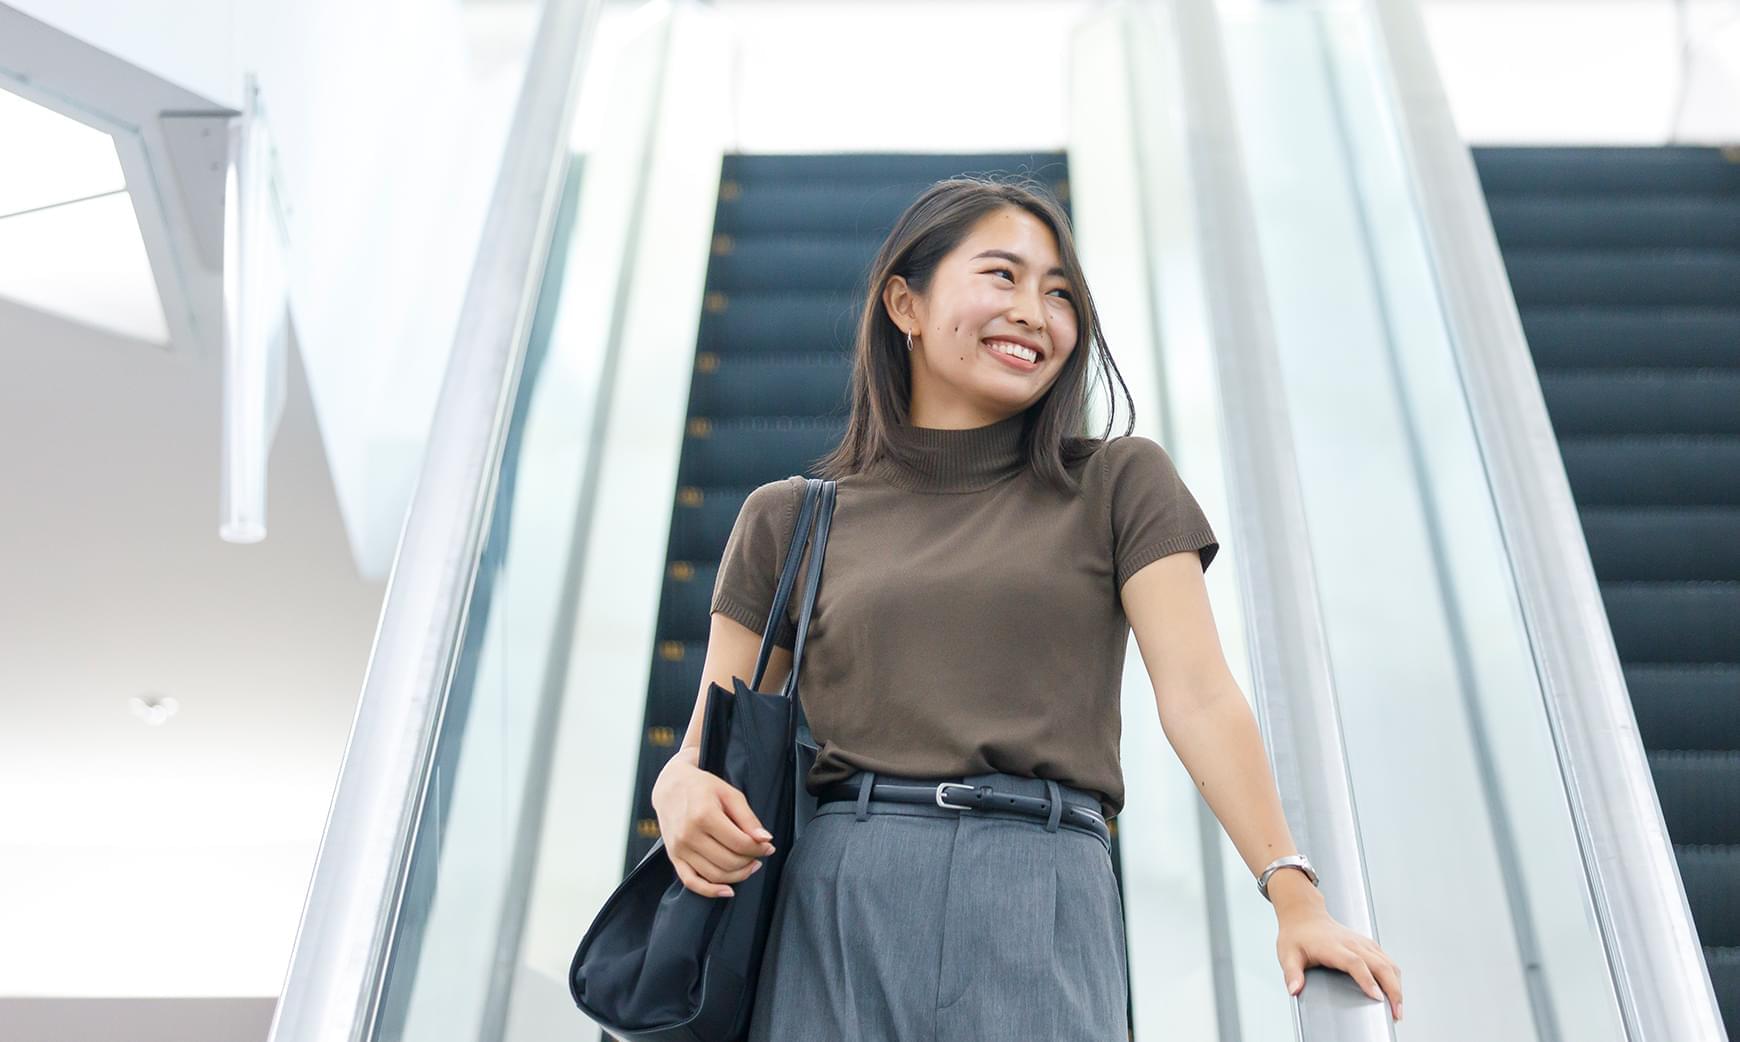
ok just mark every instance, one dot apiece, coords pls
pixel 1209 724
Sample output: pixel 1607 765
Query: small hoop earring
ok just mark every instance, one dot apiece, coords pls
pixel 909 341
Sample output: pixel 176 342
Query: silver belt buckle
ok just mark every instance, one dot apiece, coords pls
pixel 951 806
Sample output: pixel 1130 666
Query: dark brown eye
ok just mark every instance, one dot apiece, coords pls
pixel 1008 274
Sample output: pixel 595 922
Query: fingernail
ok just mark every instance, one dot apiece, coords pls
pixel 754 868
pixel 764 834
pixel 726 891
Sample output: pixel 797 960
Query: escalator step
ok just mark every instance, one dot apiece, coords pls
pixel 1606 221
pixel 747 450
pixel 764 323
pixel 676 681
pixel 1708 871
pixel 1674 621
pixel 1682 705
pixel 1622 170
pixel 1700 794
pixel 791 262
pixel 1724 964
pixel 1590 335
pixel 1643 401
pixel 683 612
pixel 741 386
pixel 1659 543
pixel 1647 276
pixel 1653 470
pixel 763 208
pixel 702 520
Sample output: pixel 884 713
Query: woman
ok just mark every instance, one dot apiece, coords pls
pixel 984 569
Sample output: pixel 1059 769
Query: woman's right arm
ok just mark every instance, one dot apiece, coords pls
pixel 712 836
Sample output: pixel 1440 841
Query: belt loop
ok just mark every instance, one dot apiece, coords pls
pixel 865 780
pixel 1056 805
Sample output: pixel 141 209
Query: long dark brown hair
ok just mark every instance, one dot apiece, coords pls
pixel 881 387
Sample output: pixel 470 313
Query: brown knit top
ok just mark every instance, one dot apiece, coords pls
pixel 968 618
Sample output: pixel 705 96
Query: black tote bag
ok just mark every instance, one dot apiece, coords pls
pixel 661 962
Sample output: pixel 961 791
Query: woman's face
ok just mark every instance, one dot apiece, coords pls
pixel 1002 286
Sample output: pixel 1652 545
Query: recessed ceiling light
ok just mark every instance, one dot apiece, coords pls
pixel 153 709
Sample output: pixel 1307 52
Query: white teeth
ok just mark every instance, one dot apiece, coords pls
pixel 1004 347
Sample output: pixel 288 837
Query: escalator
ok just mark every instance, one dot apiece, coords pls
pixel 1625 263
pixel 1283 308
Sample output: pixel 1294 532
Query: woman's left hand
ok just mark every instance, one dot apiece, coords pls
pixel 1310 936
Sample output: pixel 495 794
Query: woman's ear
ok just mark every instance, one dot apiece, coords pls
pixel 898 299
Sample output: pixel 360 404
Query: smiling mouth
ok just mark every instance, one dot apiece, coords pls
pixel 1012 361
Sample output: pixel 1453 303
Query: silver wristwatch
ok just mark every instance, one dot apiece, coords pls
pixel 1298 861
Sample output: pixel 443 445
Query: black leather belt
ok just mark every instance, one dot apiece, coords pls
pixel 961 796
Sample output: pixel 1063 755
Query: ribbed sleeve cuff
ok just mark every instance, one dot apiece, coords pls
pixel 753 620
pixel 1196 540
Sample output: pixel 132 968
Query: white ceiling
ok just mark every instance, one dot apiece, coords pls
pixel 196 835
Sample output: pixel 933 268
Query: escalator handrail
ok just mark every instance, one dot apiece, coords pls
pixel 1291 679
pixel 1653 952
pixel 337 967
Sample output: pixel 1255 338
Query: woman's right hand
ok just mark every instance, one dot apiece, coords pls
pixel 711 836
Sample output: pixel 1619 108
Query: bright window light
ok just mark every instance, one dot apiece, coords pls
pixel 54 160
pixel 69 240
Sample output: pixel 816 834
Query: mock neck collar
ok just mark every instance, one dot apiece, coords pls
pixel 967 459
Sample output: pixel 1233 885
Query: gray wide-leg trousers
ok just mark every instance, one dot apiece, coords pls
pixel 919 923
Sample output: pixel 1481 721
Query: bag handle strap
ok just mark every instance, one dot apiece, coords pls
pixel 787 579
pixel 819 546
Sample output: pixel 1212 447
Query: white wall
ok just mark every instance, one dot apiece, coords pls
pixel 1568 72
pixel 859 76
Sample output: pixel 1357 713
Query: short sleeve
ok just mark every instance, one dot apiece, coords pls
pixel 1153 514
pixel 754 552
